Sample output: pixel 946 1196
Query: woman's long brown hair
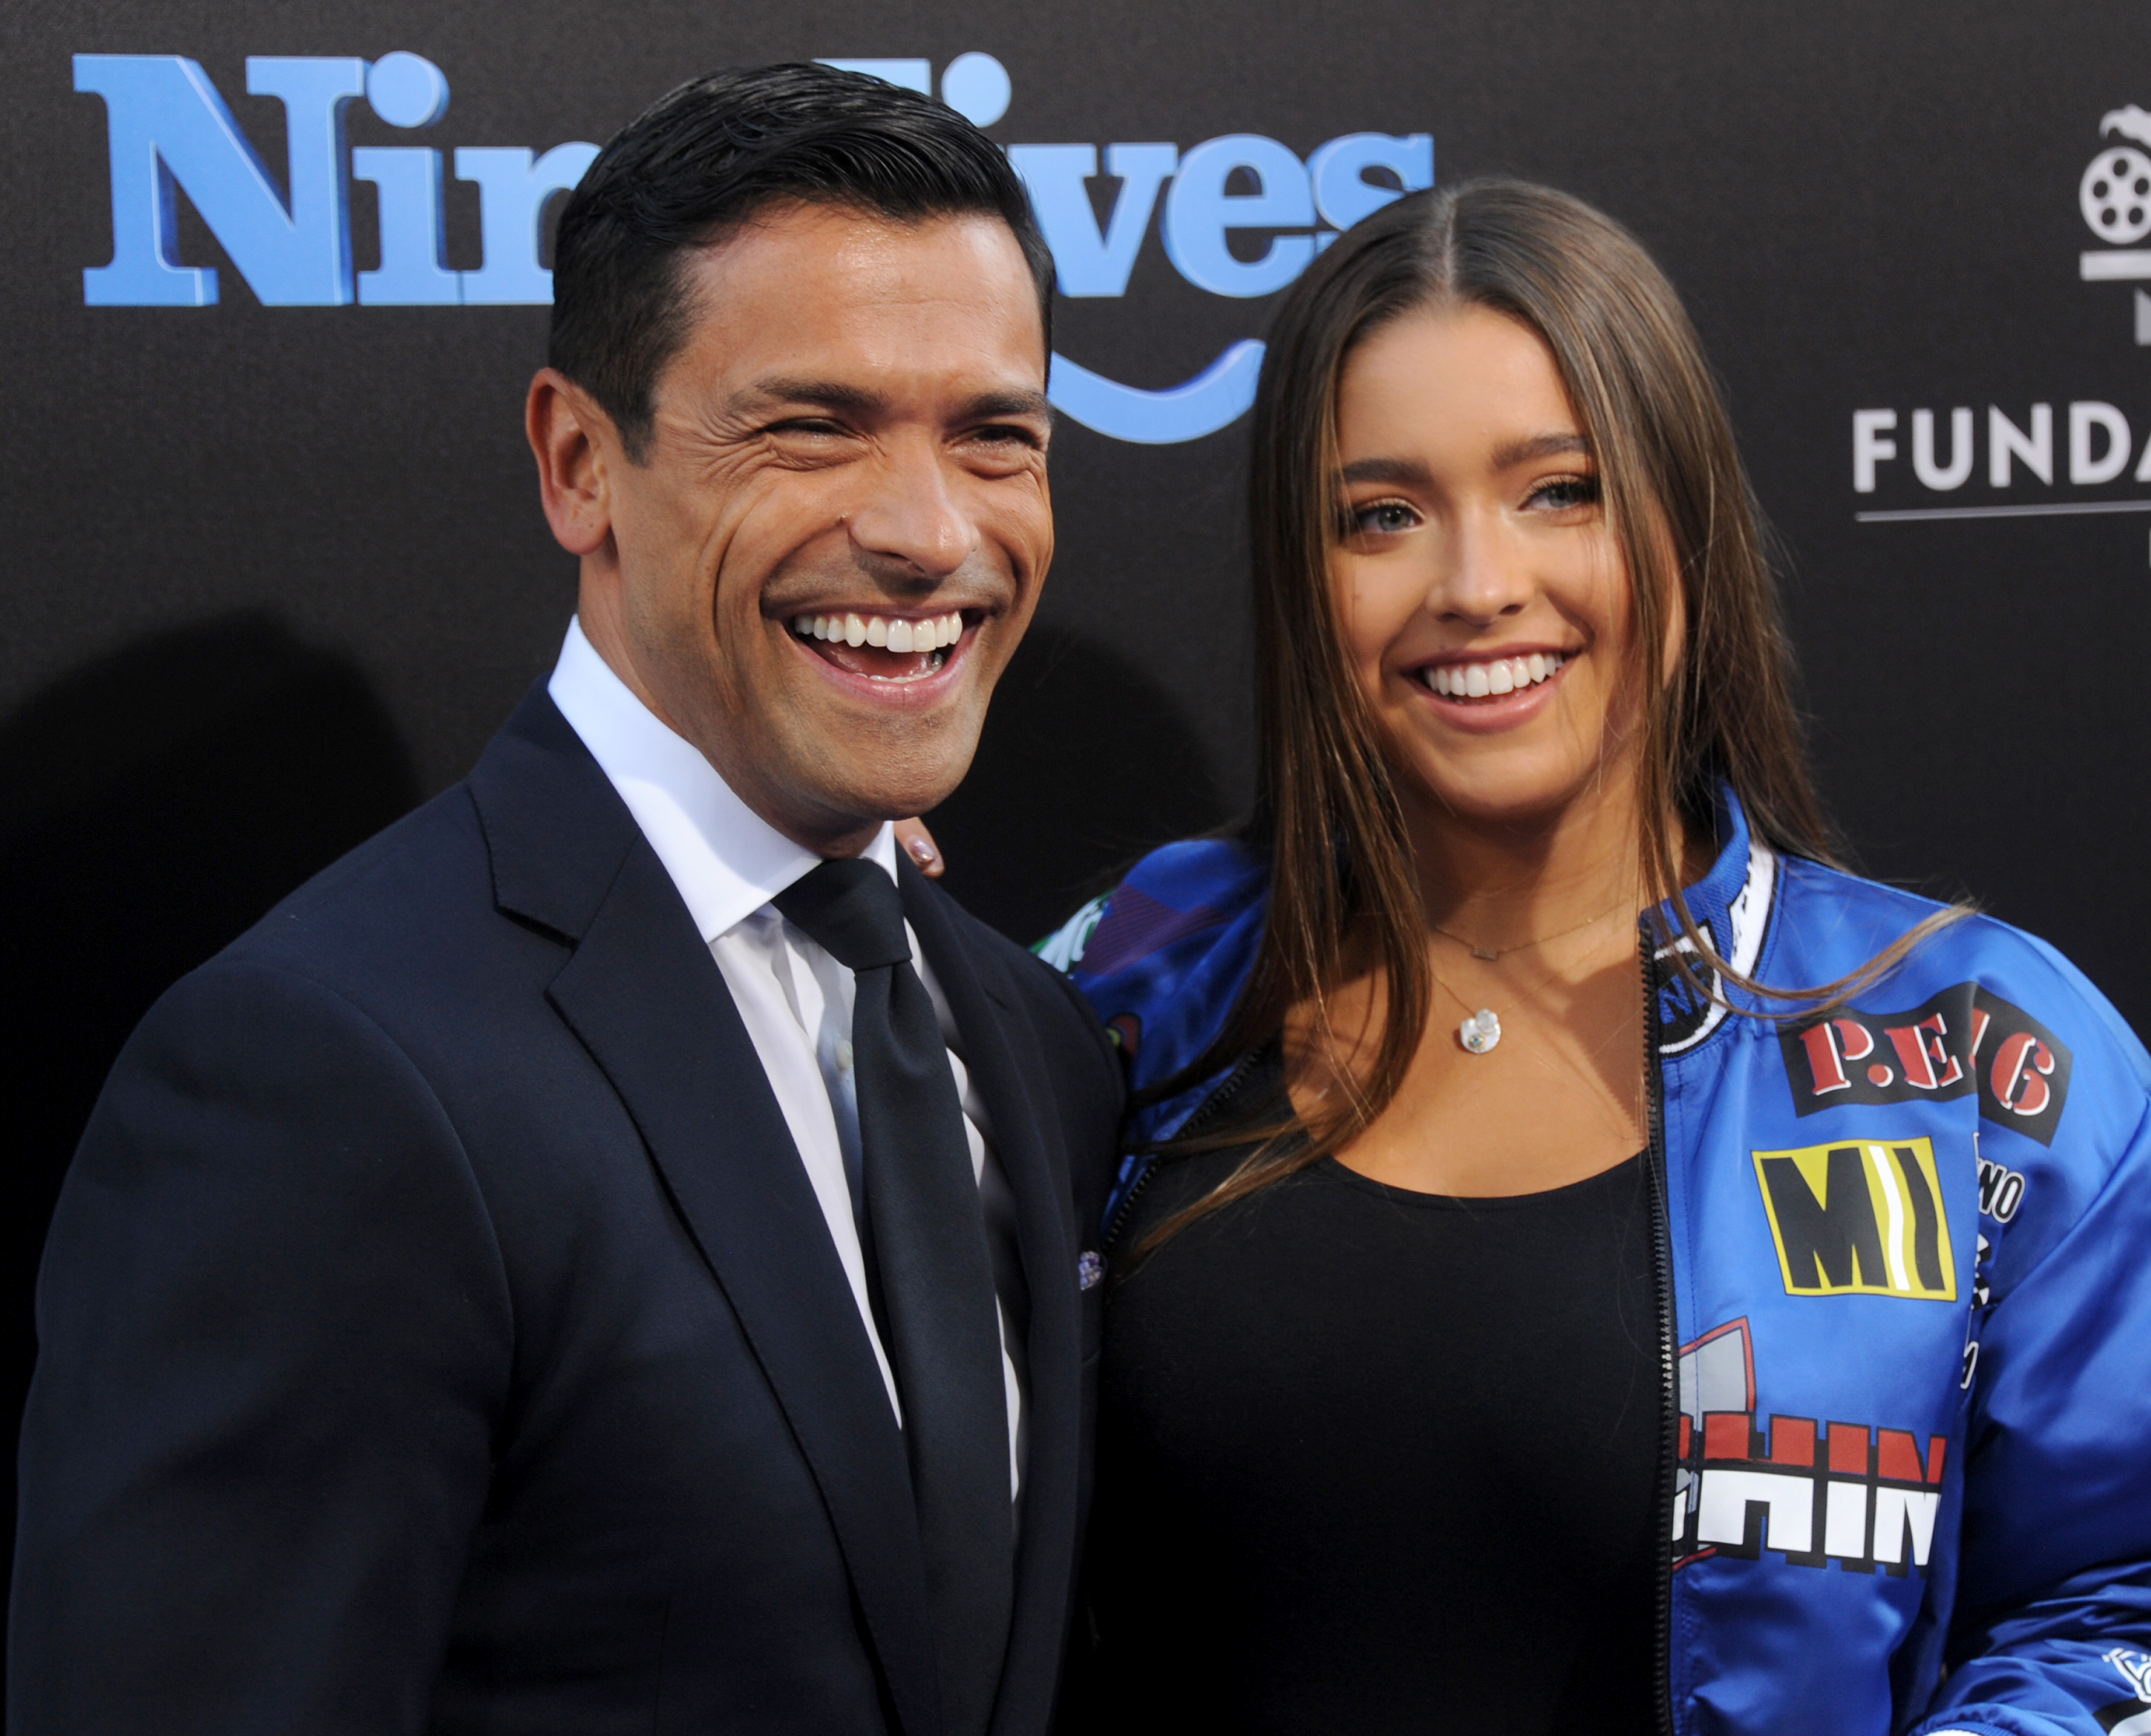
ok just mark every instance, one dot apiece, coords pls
pixel 1343 891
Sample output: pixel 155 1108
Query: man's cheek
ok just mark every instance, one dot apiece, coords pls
pixel 1036 539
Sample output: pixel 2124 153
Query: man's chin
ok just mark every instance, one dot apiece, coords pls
pixel 843 767
pixel 893 791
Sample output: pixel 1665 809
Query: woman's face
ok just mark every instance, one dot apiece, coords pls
pixel 1482 595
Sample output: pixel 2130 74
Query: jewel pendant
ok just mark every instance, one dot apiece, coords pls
pixel 1480 1032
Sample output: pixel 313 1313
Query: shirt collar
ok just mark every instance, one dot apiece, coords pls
pixel 726 861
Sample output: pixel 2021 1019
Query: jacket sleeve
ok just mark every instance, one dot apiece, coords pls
pixel 2054 1602
pixel 274 1341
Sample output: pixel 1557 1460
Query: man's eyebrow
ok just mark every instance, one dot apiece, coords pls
pixel 860 401
pixel 988 405
pixel 829 394
pixel 1540 446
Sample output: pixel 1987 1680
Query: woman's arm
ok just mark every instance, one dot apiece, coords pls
pixel 2052 1622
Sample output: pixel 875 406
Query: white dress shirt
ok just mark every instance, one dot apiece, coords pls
pixel 795 1000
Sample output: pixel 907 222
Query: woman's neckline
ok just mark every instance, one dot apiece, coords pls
pixel 1340 1171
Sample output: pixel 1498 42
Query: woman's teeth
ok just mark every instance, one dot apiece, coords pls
pixel 881 632
pixel 1485 681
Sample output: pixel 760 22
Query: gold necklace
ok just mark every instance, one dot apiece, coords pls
pixel 1481 1030
pixel 1502 952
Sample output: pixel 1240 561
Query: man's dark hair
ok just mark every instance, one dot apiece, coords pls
pixel 701 160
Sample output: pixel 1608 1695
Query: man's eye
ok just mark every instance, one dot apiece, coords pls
pixel 1565 493
pixel 1005 434
pixel 1383 518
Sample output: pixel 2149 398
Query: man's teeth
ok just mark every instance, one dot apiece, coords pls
pixel 1504 675
pixel 882 631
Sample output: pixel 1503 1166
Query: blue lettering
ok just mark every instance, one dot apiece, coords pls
pixel 977 87
pixel 1221 394
pixel 512 194
pixel 1337 171
pixel 1088 263
pixel 169 130
pixel 413 271
pixel 1198 212
pixel 406 90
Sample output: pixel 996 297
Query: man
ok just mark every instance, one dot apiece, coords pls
pixel 612 1253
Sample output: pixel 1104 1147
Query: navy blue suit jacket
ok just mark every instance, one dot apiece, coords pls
pixel 439 1332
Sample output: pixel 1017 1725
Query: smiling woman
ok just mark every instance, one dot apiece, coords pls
pixel 1470 1231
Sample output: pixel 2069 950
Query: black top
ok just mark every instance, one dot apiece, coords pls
pixel 1372 1459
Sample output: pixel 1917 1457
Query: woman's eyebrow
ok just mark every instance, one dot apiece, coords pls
pixel 1408 473
pixel 1538 447
pixel 1411 472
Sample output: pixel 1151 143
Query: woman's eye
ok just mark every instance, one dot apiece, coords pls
pixel 1383 518
pixel 1565 493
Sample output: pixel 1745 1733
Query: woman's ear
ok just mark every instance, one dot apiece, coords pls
pixel 573 442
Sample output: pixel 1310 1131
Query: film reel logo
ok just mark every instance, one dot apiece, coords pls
pixel 2115 198
pixel 2115 193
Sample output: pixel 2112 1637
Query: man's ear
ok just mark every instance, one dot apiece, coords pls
pixel 573 442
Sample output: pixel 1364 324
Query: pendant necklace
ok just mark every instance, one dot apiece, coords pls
pixel 1481 1030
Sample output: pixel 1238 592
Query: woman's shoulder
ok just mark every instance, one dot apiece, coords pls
pixel 1831 920
pixel 1163 956
pixel 1182 890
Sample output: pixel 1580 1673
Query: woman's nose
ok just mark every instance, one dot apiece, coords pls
pixel 1482 574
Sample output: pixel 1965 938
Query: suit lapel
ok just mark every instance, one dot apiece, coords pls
pixel 642 993
pixel 1003 1057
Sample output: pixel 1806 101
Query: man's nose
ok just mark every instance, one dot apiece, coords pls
pixel 908 514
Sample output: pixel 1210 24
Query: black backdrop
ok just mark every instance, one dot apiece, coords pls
pixel 273 573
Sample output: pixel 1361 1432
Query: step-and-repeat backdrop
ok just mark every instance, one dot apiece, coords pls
pixel 274 278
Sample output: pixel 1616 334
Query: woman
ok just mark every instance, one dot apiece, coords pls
pixel 1587 1260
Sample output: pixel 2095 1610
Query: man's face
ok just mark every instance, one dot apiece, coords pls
pixel 849 453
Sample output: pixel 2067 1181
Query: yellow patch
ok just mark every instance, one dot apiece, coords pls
pixel 1859 1218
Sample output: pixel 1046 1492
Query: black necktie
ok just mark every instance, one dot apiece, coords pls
pixel 927 1247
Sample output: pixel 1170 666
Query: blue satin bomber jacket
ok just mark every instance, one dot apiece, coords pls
pixel 1904 1275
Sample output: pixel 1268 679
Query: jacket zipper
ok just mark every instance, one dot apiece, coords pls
pixel 1662 1262
pixel 1211 1108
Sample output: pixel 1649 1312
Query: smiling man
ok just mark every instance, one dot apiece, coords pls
pixel 613 1253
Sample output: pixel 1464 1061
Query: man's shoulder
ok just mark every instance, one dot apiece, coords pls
pixel 362 996
pixel 408 932
pixel 395 898
pixel 484 883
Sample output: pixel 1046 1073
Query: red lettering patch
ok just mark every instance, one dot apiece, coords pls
pixel 1962 1041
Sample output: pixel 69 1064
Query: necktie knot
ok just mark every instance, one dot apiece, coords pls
pixel 851 908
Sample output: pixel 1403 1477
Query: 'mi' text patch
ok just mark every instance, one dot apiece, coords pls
pixel 1859 1216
